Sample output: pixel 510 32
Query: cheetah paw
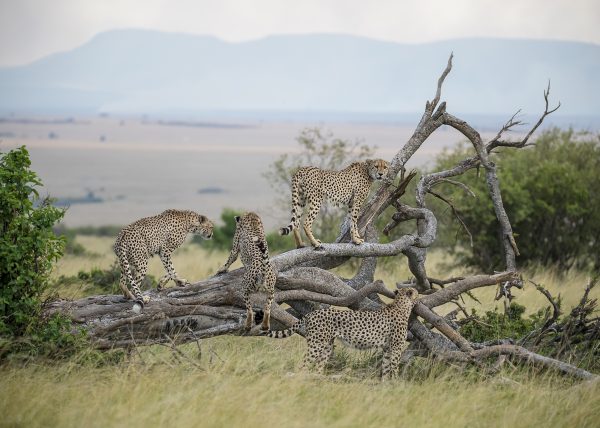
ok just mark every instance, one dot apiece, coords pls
pixel 139 304
pixel 181 282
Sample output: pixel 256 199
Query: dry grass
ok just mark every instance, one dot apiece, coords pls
pixel 252 381
pixel 248 381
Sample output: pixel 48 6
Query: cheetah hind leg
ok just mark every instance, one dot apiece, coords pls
pixel 141 267
pixel 314 209
pixel 249 312
pixel 123 284
pixel 266 322
pixel 298 239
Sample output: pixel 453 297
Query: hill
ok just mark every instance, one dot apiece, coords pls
pixel 142 71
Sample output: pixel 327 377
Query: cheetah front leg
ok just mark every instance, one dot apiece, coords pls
pixel 317 355
pixel 165 258
pixel 233 255
pixel 354 210
pixel 313 211
pixel 391 360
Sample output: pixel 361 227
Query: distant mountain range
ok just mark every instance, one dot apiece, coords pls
pixel 140 71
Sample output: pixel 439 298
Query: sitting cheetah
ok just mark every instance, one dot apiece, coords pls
pixel 383 328
pixel 250 243
pixel 349 186
pixel 161 234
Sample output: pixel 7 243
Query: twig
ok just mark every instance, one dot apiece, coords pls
pixel 455 212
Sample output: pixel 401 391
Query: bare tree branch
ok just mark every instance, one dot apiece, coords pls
pixel 452 291
pixel 455 212
pixel 496 142
pixel 526 355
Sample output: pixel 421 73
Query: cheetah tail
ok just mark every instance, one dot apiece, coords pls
pixel 262 247
pixel 286 230
pixel 296 207
pixel 282 334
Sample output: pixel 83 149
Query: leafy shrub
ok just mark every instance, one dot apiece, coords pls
pixel 109 231
pixel 71 246
pixel 103 280
pixel 495 325
pixel 28 246
pixel 549 193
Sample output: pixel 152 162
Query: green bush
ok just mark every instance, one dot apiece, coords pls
pixel 549 193
pixel 110 231
pixel 71 246
pixel 98 280
pixel 494 325
pixel 28 246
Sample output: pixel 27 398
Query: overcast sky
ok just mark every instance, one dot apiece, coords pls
pixel 30 29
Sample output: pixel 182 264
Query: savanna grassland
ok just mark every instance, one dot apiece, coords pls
pixel 234 381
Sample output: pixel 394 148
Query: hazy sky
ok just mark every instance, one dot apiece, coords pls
pixel 30 29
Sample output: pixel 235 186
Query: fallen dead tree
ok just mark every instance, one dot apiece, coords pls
pixel 215 306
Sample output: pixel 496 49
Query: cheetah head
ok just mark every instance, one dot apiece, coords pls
pixel 249 220
pixel 201 226
pixel 378 168
pixel 406 295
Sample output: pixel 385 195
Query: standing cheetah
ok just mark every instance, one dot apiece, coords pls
pixel 383 328
pixel 250 243
pixel 161 234
pixel 349 186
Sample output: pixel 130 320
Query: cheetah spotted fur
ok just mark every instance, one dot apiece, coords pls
pixel 349 186
pixel 383 328
pixel 250 244
pixel 161 234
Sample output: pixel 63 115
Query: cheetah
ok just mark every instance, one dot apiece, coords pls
pixel 161 234
pixel 383 328
pixel 250 243
pixel 349 186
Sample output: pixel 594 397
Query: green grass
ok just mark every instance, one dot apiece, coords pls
pixel 253 381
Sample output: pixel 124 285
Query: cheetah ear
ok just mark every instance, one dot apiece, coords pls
pixel 202 219
pixel 237 218
pixel 413 294
pixel 396 291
